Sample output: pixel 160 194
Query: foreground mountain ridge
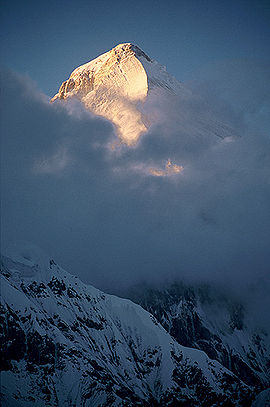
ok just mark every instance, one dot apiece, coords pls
pixel 67 343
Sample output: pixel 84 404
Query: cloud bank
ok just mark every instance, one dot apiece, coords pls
pixel 93 205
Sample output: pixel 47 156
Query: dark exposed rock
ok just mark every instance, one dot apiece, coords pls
pixel 58 287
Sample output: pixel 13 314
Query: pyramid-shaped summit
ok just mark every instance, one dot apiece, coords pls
pixel 116 84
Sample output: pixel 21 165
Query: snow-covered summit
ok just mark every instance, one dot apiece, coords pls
pixel 116 84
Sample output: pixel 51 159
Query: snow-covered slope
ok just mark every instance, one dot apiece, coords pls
pixel 66 343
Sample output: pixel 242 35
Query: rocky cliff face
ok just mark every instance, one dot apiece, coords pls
pixel 205 318
pixel 66 343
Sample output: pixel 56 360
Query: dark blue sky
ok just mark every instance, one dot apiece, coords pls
pixel 48 39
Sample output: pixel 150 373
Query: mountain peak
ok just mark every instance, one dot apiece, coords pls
pixel 129 47
pixel 116 84
pixel 127 87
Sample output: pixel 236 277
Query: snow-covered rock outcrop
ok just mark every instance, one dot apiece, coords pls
pixel 67 343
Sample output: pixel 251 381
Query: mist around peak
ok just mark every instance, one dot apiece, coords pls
pixel 92 204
